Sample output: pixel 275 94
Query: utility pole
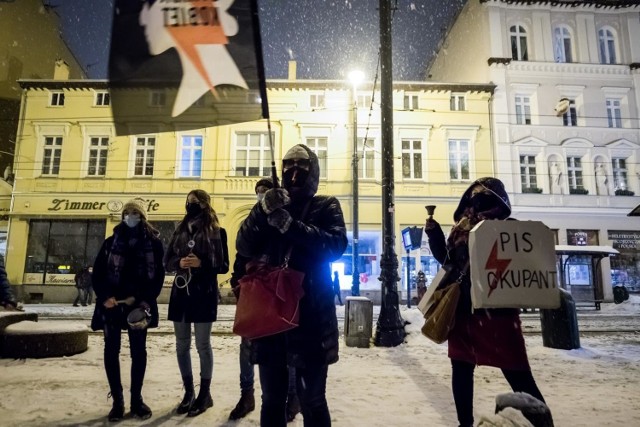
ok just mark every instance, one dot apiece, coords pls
pixel 390 326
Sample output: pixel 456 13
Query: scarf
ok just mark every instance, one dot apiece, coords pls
pixel 208 244
pixel 133 242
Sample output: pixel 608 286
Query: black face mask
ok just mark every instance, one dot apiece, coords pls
pixel 193 209
pixel 300 174
pixel 482 202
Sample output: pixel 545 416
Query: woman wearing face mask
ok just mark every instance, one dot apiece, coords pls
pixel 197 253
pixel 128 274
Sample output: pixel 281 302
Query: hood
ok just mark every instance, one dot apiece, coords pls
pixel 491 186
pixel 310 187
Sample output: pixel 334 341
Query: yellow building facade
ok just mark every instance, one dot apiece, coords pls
pixel 73 174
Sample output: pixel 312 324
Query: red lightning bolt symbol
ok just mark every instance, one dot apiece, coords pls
pixel 497 264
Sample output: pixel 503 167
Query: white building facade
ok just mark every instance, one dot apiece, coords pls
pixel 565 116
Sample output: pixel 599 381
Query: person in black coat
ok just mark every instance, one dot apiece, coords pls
pixel 197 253
pixel 294 216
pixel 128 275
pixel 7 299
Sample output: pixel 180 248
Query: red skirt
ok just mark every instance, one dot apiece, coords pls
pixel 489 338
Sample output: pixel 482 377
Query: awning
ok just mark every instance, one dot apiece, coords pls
pixel 585 250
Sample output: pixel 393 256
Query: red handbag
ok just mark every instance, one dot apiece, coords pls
pixel 269 301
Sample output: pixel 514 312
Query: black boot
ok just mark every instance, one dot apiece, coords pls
pixel 293 406
pixel 139 408
pixel 246 404
pixel 189 396
pixel 203 401
pixel 117 410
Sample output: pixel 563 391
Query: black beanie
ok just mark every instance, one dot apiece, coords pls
pixel 267 182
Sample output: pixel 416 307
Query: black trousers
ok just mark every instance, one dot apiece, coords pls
pixel 138 353
pixel 462 385
pixel 311 385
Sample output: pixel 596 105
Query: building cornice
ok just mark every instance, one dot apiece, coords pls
pixel 598 4
pixel 408 86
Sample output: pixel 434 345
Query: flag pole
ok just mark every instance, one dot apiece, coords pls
pixel 262 84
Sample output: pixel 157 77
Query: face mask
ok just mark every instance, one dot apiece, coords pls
pixel 482 202
pixel 131 220
pixel 260 197
pixel 294 177
pixel 193 209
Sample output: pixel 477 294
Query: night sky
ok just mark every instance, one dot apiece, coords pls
pixel 327 38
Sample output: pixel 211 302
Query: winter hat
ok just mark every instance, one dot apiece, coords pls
pixel 137 204
pixel 265 182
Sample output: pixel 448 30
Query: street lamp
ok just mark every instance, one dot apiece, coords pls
pixel 356 78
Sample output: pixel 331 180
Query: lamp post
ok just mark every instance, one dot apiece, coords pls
pixel 390 326
pixel 356 78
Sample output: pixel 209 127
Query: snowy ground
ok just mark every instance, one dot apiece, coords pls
pixel 596 385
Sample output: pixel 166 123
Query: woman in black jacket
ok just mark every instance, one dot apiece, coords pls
pixel 197 253
pixel 128 275
pixel 294 216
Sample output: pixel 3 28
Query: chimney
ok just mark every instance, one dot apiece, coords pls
pixel 292 69
pixel 61 70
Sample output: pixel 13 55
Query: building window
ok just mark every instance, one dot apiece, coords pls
pixel 458 159
pixel 607 46
pixel 570 118
pixel 518 43
pixel 57 99
pixel 190 156
pixel 366 166
pixel 574 171
pixel 614 115
pixel 619 169
pixel 411 102
pixel 364 101
pixel 61 248
pixel 98 151
pixel 316 100
pixel 523 110
pixel 456 102
pixel 51 155
pixel 252 154
pixel 319 146
pixel 562 44
pixel 528 177
pixel 411 159
pixel 145 155
pixel 102 99
pixel 157 98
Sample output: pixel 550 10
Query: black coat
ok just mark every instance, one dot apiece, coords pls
pixel 143 288
pixel 317 240
pixel 198 302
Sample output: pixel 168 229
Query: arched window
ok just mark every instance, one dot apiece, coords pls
pixel 607 46
pixel 562 50
pixel 518 43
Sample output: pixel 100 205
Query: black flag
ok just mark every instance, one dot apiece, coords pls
pixel 184 64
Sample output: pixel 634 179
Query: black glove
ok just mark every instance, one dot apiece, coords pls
pixel 275 199
pixel 280 219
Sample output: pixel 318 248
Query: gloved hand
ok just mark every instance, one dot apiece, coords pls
pixel 280 219
pixel 431 224
pixel 275 198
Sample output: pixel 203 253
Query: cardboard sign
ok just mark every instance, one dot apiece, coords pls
pixel 513 264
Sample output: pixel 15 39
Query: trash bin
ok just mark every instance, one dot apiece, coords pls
pixel 358 322
pixel 560 326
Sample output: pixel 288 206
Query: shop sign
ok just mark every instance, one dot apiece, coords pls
pixel 513 264
pixel 32 278
pixel 113 205
pixel 625 239
pixel 168 280
pixel 60 279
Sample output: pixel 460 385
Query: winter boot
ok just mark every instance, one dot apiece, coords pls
pixel 117 410
pixel 293 406
pixel 246 404
pixel 139 408
pixel 203 401
pixel 189 396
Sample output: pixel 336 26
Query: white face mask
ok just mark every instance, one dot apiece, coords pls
pixel 260 197
pixel 132 220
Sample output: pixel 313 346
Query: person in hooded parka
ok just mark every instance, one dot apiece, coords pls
pixel 318 237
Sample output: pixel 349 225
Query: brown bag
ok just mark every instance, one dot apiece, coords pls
pixel 269 301
pixel 440 313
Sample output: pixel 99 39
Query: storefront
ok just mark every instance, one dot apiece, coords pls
pixel 625 268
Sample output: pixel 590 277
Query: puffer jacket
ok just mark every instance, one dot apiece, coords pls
pixel 317 240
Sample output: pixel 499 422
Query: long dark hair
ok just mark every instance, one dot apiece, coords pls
pixel 209 216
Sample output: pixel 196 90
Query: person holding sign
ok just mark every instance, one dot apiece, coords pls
pixel 491 337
